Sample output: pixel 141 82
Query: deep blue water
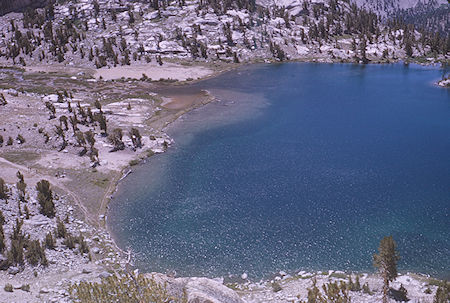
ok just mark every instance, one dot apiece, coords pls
pixel 299 167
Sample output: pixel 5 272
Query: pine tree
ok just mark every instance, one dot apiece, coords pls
pixel 3 190
pixel 115 138
pixel 33 253
pixel 49 241
pixel 362 49
pixel 45 198
pixel 386 262
pixel 2 218
pixel 21 186
pixel 60 231
pixel 408 48
pixel 442 293
pixel 2 235
pixel 136 137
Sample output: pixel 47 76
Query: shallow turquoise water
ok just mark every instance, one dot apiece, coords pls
pixel 298 167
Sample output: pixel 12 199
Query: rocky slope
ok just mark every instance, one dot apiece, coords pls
pixel 389 7
pixel 110 33
pixel 7 6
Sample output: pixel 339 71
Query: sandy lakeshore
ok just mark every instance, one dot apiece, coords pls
pixel 168 71
pixel 86 189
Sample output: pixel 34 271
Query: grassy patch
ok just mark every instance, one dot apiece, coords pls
pixel 338 275
pixel 5 86
pixel 41 90
pixel 20 157
pixel 13 68
pixel 101 182
pixel 306 277
pixel 276 287
pixel 233 286
pixel 133 162
pixel 434 282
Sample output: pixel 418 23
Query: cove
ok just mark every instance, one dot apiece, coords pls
pixel 299 166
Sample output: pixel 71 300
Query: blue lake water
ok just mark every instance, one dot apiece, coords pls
pixel 298 167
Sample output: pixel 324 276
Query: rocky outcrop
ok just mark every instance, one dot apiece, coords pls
pixel 7 6
pixel 198 290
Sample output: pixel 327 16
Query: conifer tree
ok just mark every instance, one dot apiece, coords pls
pixel 45 198
pixel 3 190
pixel 115 138
pixel 21 186
pixel 2 218
pixel 2 234
pixel 386 262
pixel 34 252
pixel 408 48
pixel 49 241
pixel 60 231
pixel 2 239
pixel 136 137
pixel 442 293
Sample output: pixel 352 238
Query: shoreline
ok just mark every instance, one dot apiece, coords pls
pixel 187 84
pixel 143 156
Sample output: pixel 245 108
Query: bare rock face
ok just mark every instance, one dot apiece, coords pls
pixel 198 290
pixel 203 290
pixel 7 6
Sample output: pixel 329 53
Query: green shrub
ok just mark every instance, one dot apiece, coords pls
pixel 338 275
pixel 134 162
pixel 25 287
pixel 124 288
pixel 366 289
pixel 276 287
pixel 20 138
pixel 331 293
pixel 354 286
pixel 8 287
